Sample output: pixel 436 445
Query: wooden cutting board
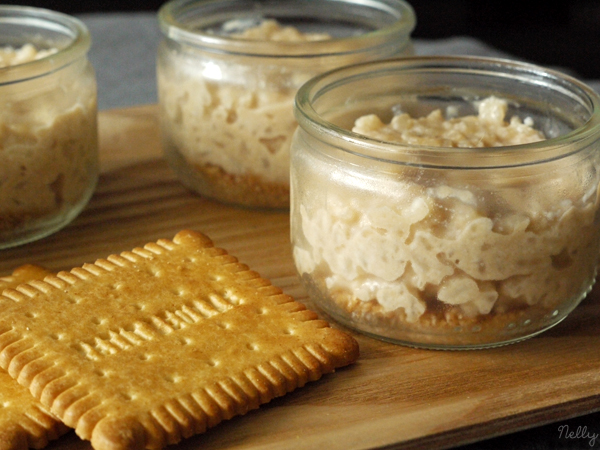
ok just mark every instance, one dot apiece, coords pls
pixel 393 396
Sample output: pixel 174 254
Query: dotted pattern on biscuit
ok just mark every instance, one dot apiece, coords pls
pixel 145 348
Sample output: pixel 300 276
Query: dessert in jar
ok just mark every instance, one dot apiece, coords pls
pixel 228 73
pixel 458 212
pixel 48 127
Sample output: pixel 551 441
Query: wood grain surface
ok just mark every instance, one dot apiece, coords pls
pixel 393 397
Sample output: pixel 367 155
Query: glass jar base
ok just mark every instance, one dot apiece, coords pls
pixel 439 332
pixel 43 228
pixel 245 190
pixel 454 343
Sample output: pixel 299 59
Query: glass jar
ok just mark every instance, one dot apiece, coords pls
pixel 48 127
pixel 435 246
pixel 226 101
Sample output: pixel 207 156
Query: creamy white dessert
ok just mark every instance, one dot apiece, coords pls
pixel 48 146
pixel 423 251
pixel 271 30
pixel 11 56
pixel 486 129
pixel 228 125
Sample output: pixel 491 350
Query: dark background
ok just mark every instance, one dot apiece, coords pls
pixel 564 33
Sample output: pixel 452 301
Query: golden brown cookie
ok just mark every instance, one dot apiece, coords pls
pixel 24 422
pixel 145 348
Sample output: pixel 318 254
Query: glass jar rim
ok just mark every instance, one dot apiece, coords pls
pixel 356 144
pixel 73 28
pixel 173 28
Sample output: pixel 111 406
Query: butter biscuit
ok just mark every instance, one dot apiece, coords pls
pixel 24 422
pixel 145 348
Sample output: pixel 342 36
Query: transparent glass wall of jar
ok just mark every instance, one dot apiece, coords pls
pixel 226 102
pixel 48 127
pixel 442 247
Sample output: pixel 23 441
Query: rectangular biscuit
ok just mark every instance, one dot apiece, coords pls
pixel 24 422
pixel 142 349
